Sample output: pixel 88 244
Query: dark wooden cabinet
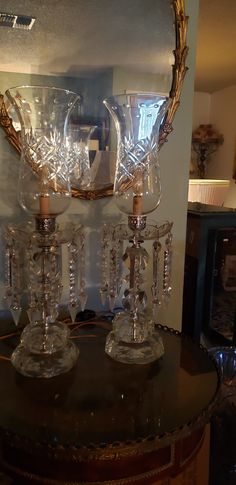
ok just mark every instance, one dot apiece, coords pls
pixel 209 228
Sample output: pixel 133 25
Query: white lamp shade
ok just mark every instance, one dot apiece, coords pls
pixel 230 198
pixel 211 192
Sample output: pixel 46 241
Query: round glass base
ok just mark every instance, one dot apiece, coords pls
pixel 38 338
pixel 45 352
pixel 134 353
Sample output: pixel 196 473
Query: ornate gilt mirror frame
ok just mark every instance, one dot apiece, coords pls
pixel 179 70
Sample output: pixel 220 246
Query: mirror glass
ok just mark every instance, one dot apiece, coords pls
pixel 98 49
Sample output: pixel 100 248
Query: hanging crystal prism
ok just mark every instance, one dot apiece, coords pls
pixel 73 303
pixel 156 298
pixel 13 263
pixel 76 269
pixel 81 261
pixel 105 257
pixel 114 269
pixel 167 268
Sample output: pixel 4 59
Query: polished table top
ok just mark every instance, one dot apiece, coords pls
pixel 102 404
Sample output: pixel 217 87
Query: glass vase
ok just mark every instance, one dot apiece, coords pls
pixel 137 191
pixel 44 192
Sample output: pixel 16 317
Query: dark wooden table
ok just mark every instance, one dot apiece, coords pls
pixel 105 420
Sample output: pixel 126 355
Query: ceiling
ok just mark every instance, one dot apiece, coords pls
pixel 72 36
pixel 216 45
pixel 76 37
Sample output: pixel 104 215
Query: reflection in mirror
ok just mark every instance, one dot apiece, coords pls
pixel 113 48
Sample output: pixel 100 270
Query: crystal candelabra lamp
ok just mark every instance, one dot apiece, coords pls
pixel 137 192
pixel 34 251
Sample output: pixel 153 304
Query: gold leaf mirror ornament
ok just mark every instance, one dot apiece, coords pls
pixel 135 46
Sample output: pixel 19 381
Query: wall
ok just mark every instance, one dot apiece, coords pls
pixel 125 79
pixel 201 109
pixel 174 161
pixel 222 116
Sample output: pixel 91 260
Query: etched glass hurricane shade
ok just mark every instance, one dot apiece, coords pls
pixel 44 178
pixel 137 117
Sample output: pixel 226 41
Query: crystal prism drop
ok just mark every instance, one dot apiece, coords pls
pixel 103 296
pixel 112 300
pixel 155 312
pixel 73 309
pixel 31 313
pixel 16 312
pixel 83 300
